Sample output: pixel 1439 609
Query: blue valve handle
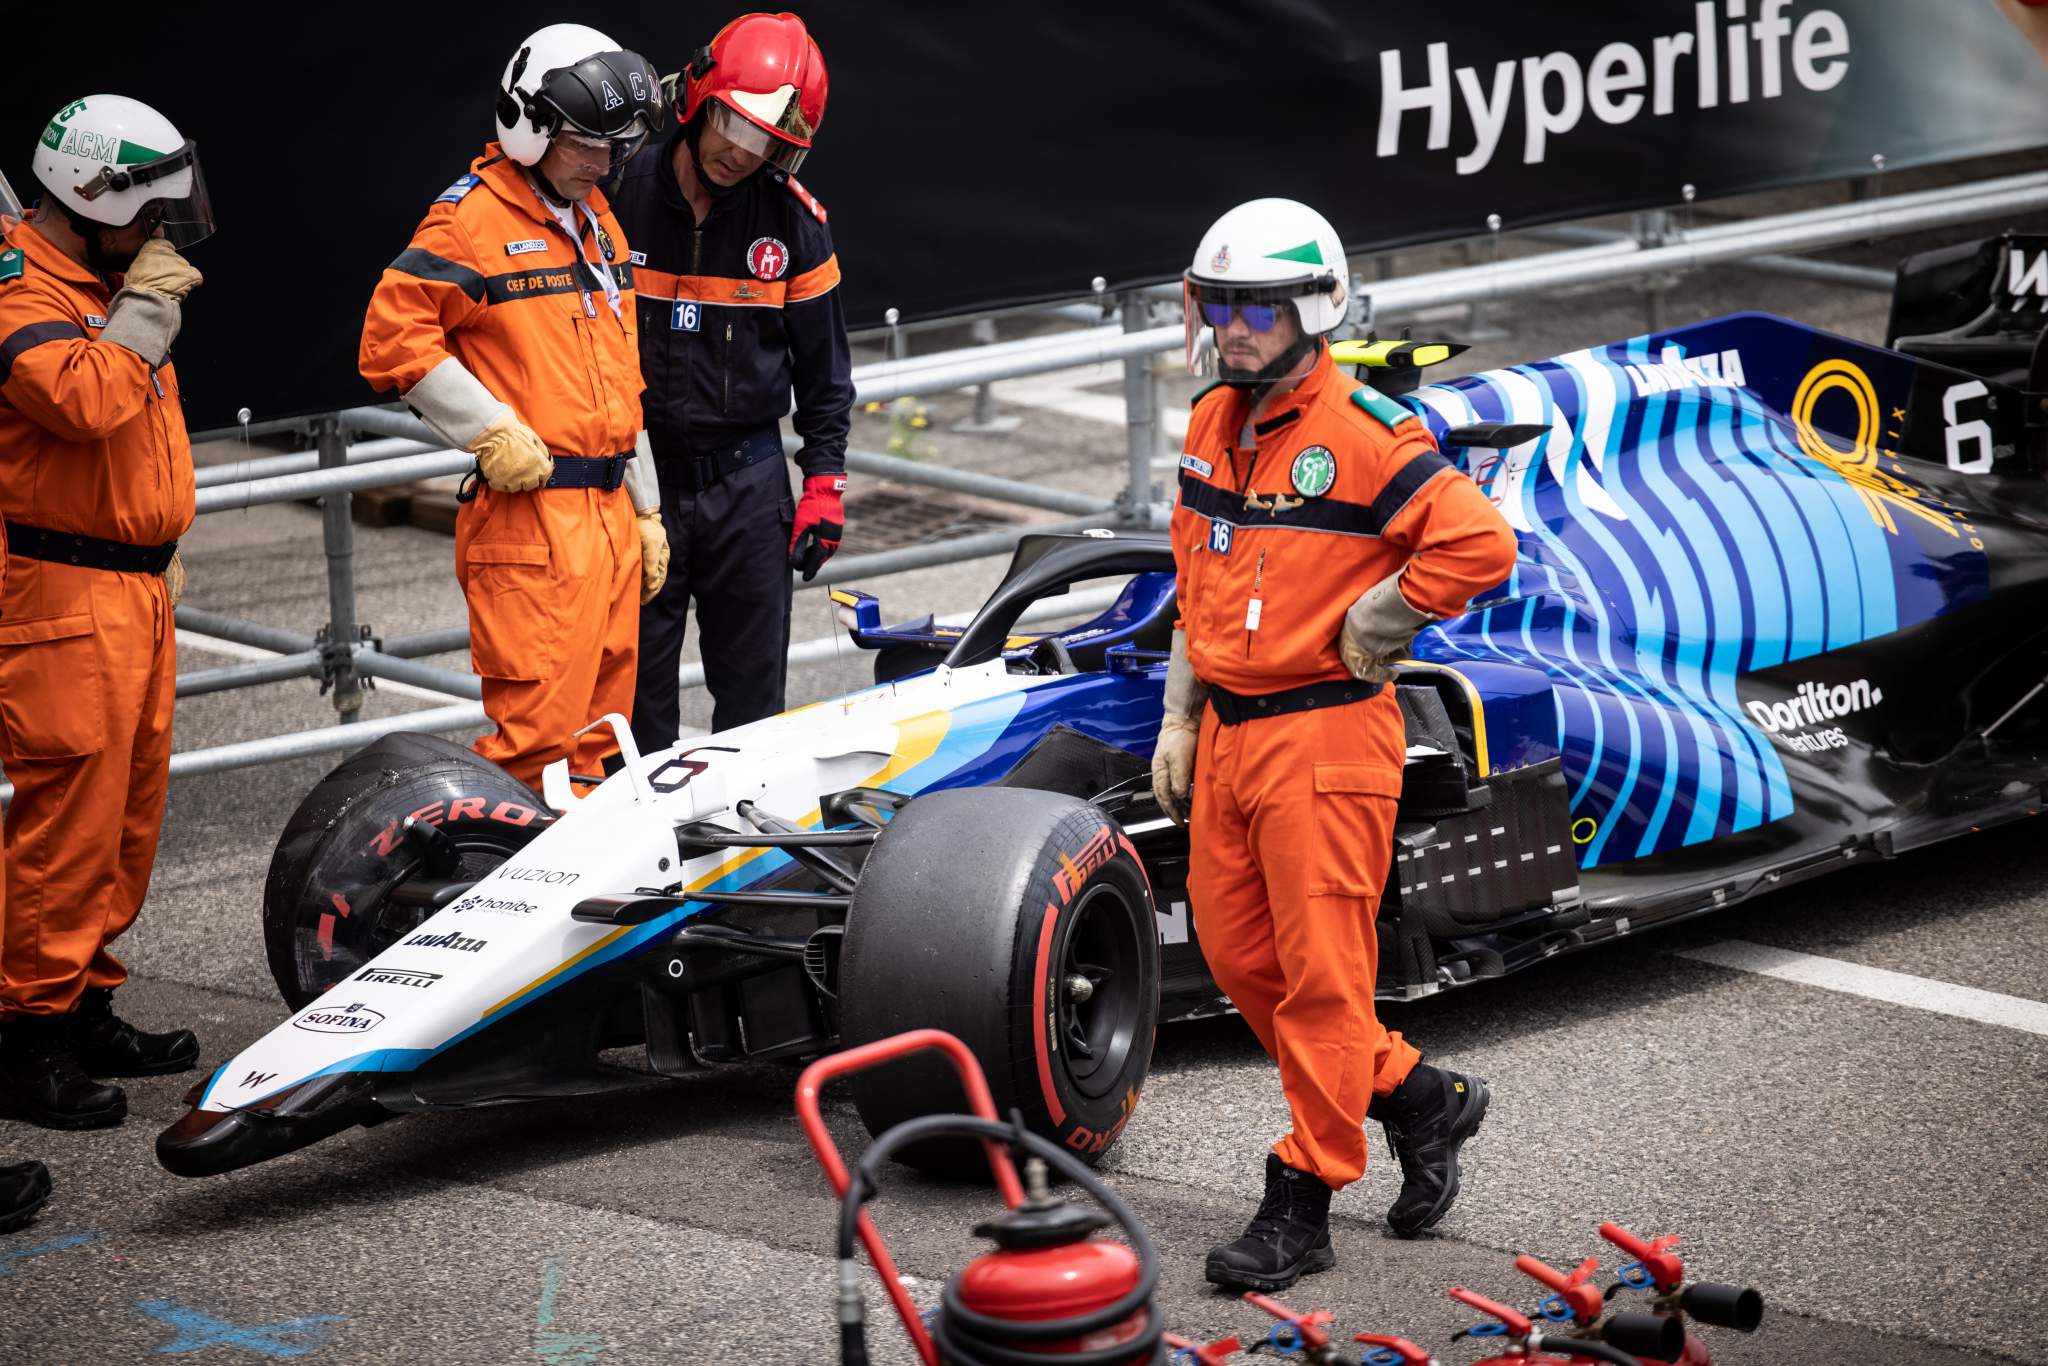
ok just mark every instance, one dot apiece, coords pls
pixel 1636 1276
pixel 1381 1356
pixel 1555 1309
pixel 1489 1329
pixel 1282 1337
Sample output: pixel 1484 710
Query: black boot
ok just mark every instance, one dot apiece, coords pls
pixel 40 1081
pixel 23 1189
pixel 1428 1118
pixel 1287 1239
pixel 108 1046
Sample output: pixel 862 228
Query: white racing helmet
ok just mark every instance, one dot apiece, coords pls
pixel 568 78
pixel 1260 260
pixel 108 159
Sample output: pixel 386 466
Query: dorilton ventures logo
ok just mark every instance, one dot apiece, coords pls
pixel 355 1018
pixel 1803 721
pixel 399 977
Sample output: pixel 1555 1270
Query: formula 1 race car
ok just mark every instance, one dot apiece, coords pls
pixel 1781 607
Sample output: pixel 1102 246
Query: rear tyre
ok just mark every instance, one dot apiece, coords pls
pixel 327 903
pixel 1022 922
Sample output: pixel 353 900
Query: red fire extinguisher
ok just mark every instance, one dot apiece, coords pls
pixel 1049 1289
pixel 1658 1270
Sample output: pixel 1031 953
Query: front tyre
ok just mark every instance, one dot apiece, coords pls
pixel 1022 922
pixel 328 907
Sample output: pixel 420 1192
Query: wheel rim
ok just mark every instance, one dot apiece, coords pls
pixel 1098 986
pixel 354 940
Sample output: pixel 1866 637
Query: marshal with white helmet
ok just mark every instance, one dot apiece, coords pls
pixel 107 159
pixel 1257 260
pixel 572 78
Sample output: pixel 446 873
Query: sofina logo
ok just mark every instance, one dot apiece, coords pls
pixel 355 1018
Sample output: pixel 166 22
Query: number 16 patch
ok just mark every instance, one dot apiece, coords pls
pixel 688 316
pixel 1220 533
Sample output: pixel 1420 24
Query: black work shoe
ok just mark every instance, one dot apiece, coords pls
pixel 108 1046
pixel 23 1189
pixel 1287 1239
pixel 1427 1119
pixel 40 1080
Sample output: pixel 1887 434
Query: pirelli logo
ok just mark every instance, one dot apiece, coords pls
pixel 399 977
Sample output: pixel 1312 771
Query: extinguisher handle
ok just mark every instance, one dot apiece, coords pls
pixel 1517 1323
pixel 1583 1300
pixel 1665 1268
pixel 1408 1351
pixel 1215 1353
pixel 1305 1325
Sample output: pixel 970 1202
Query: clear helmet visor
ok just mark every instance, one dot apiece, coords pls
pixel 613 151
pixel 748 136
pixel 1210 306
pixel 171 195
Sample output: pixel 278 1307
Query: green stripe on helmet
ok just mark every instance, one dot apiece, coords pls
pixel 1307 252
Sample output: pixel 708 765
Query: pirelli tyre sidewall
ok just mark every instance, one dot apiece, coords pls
pixel 327 906
pixel 1022 922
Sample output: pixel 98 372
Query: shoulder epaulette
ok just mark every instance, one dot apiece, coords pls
pixel 805 198
pixel 1204 391
pixel 12 263
pixel 1388 413
pixel 454 193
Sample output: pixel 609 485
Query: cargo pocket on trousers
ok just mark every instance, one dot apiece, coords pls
pixel 513 633
pixel 52 694
pixel 1353 839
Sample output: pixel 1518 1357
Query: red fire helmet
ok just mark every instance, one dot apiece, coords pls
pixel 765 80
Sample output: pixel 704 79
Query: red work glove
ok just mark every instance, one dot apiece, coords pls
pixel 820 522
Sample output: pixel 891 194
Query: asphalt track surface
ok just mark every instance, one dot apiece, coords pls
pixel 1875 1168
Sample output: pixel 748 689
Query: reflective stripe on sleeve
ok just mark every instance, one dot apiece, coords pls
pixel 422 264
pixel 33 335
pixel 817 280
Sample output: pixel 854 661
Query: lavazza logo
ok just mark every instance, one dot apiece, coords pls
pixel 1801 723
pixel 1726 58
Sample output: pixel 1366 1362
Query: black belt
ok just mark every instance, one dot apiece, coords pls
pixel 1236 708
pixel 696 471
pixel 605 472
pixel 89 552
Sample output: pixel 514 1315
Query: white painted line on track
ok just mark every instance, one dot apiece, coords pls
pixel 234 649
pixel 1877 984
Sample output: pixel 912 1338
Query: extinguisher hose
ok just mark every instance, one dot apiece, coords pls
pixel 969 1338
pixel 1586 1348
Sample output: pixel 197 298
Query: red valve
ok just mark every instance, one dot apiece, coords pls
pixel 1408 1351
pixel 1665 1269
pixel 1215 1353
pixel 1517 1325
pixel 1585 1301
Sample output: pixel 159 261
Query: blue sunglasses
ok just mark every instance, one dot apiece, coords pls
pixel 1258 317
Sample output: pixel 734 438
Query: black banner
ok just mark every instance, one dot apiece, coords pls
pixel 978 155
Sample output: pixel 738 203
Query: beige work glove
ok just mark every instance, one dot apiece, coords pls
pixel 653 553
pixel 1173 757
pixel 511 458
pixel 1378 631
pixel 174 579
pixel 159 269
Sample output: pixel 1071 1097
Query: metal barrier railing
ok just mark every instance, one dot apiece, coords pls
pixel 402 450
